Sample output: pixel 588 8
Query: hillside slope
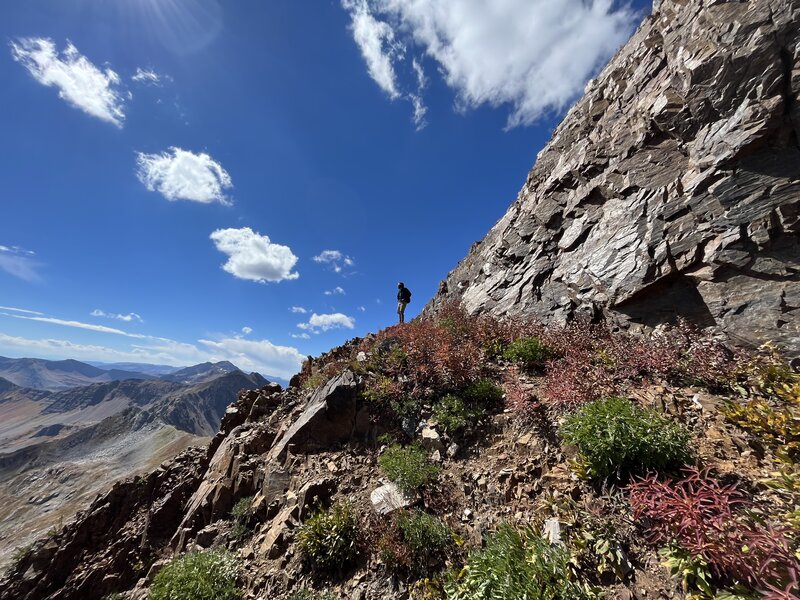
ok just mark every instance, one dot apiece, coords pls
pixel 672 188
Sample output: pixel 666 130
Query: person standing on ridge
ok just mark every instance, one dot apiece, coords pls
pixel 403 298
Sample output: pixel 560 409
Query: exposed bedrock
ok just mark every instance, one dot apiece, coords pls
pixel 672 188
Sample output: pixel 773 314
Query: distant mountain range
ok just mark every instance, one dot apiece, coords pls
pixel 58 375
pixel 69 429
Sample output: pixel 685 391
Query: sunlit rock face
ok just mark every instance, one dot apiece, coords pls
pixel 672 188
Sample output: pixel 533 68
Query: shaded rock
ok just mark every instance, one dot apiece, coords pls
pixel 332 415
pixel 315 495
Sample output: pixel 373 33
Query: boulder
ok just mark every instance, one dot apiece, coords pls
pixel 333 415
pixel 388 498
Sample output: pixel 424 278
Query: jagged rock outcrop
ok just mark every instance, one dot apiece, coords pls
pixel 671 189
pixel 138 521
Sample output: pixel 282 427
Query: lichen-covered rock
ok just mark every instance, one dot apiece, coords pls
pixel 671 189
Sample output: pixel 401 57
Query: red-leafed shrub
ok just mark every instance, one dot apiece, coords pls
pixel 714 521
pixel 594 361
pixel 446 352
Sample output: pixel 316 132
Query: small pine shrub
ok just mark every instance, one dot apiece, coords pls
pixel 714 523
pixel 242 509
pixel 208 575
pixel 425 536
pixel 408 467
pixel 313 381
pixel 454 416
pixel 616 437
pixel 528 352
pixel 517 563
pixel 484 393
pixel 241 513
pixel 329 538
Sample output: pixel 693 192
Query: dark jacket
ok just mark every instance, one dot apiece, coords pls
pixel 404 295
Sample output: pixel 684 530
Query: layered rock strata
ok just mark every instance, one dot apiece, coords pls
pixel 672 189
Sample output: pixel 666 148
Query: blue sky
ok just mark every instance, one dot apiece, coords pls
pixel 181 177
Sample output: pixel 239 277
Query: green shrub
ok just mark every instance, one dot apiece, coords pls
pixel 209 575
pixel 241 513
pixel 313 381
pixel 329 538
pixel 616 437
pixel 527 351
pixel 408 467
pixel 424 535
pixel 242 509
pixel 517 564
pixel 483 392
pixel 454 415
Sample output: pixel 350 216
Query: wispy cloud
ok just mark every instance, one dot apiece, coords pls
pixel 247 330
pixel 301 336
pixel 20 263
pixel 79 325
pixel 80 83
pixel 21 310
pixel 337 291
pixel 335 259
pixel 298 310
pixel 249 354
pixel 120 317
pixel 179 174
pixel 533 56
pixel 253 256
pixel 149 77
pixel 324 322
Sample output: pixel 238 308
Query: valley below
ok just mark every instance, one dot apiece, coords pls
pixel 61 446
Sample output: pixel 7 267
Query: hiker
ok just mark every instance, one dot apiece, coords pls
pixel 403 298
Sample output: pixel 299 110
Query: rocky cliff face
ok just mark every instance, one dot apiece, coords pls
pixel 671 189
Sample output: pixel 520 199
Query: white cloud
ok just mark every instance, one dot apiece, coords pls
pixel 120 317
pixel 533 56
pixel 21 310
pixel 337 291
pixel 362 308
pixel 301 336
pixel 298 310
pixel 250 355
pixel 20 263
pixel 247 330
pixel 79 325
pixel 325 322
pixel 79 82
pixel 258 355
pixel 253 256
pixel 377 43
pixel 335 259
pixel 149 77
pixel 179 174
